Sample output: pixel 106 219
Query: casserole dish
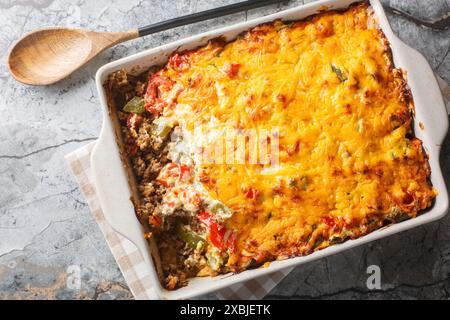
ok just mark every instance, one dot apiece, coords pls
pixel 111 179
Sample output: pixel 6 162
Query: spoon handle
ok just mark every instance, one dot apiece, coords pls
pixel 204 15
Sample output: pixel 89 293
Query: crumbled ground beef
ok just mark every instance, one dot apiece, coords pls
pixel 174 253
pixel 148 156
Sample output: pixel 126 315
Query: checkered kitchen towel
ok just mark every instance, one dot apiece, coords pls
pixel 129 258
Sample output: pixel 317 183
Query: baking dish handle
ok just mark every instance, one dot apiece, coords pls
pixel 423 82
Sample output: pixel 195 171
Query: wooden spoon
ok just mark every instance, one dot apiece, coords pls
pixel 46 56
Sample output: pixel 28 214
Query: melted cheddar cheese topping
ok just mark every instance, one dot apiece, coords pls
pixel 348 160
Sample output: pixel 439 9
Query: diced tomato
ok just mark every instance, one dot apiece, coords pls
pixel 218 234
pixel 205 218
pixel 185 173
pixel 156 86
pixel 175 60
pixel 178 61
pixel 252 193
pixel 232 69
pixel 329 221
pixel 173 173
pixel 156 108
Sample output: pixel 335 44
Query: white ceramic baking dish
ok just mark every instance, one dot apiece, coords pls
pixel 111 179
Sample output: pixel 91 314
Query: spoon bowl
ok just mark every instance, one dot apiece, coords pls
pixel 46 56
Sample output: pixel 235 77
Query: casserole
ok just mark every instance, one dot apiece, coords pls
pixel 109 174
pixel 328 115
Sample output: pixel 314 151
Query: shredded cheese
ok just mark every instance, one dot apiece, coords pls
pixel 347 157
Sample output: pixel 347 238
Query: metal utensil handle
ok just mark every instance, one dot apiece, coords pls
pixel 204 15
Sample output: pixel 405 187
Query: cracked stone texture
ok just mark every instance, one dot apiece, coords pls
pixel 45 224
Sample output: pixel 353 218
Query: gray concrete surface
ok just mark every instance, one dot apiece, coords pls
pixel 45 224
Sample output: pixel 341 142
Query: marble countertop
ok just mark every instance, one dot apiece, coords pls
pixel 46 228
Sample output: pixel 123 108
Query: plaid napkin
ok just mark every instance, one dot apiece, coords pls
pixel 130 260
